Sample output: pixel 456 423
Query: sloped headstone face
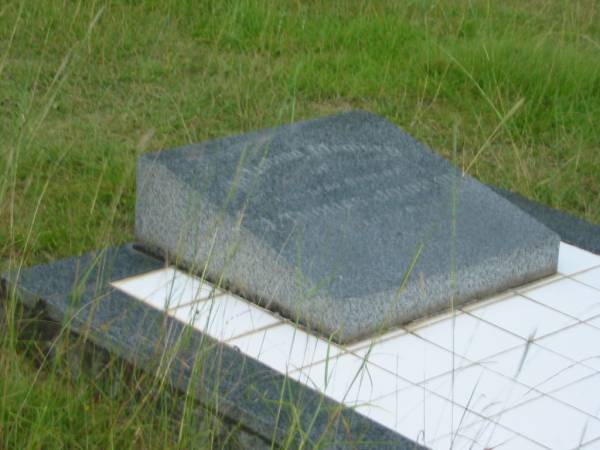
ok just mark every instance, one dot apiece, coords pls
pixel 344 224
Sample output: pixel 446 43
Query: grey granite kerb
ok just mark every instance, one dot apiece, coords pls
pixel 345 224
pixel 277 410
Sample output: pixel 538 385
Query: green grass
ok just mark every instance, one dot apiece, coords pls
pixel 511 88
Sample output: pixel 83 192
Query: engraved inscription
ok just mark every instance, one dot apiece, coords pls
pixel 313 197
pixel 323 151
pixel 397 193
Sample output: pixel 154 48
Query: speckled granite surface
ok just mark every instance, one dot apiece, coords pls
pixel 345 224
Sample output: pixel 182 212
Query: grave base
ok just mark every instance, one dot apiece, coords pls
pixel 260 403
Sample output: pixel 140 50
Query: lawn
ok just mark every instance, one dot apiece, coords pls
pixel 509 90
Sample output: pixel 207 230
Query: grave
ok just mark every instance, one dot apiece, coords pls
pixel 346 211
pixel 344 224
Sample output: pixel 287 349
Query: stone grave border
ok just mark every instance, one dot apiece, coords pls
pixel 252 397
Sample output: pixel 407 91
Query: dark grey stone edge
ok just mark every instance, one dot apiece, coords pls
pixel 259 399
pixel 571 229
pixel 75 293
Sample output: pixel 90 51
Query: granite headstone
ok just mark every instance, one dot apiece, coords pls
pixel 345 224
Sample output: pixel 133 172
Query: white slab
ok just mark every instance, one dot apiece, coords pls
pixel 225 316
pixel 572 259
pixel 418 414
pixel 580 342
pixel 569 297
pixel 469 337
pixel 523 317
pixel 584 395
pixel 412 357
pixel 350 379
pixel 537 367
pixel 285 347
pixel 593 445
pixel 595 322
pixel 166 288
pixel 590 277
pixel 374 340
pixel 480 390
pixel 484 435
pixel 551 423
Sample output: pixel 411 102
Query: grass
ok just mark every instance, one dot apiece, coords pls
pixel 509 90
